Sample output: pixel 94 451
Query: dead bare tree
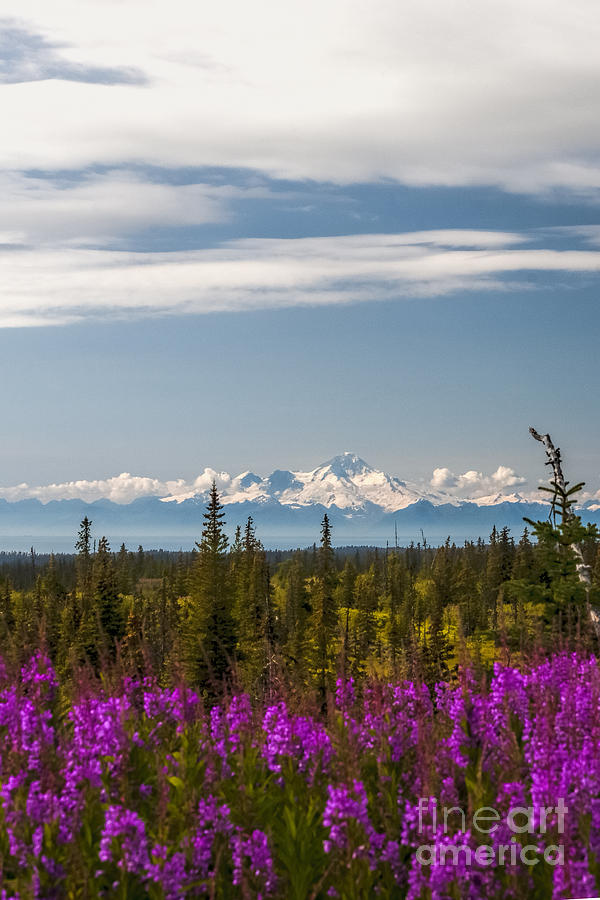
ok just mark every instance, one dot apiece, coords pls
pixel 560 493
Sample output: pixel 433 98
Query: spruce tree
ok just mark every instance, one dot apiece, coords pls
pixel 466 593
pixel 524 587
pixel 6 609
pixel 210 634
pixel 345 602
pixel 492 579
pixel 324 620
pixel 253 608
pixel 53 599
pixel 84 562
pixel 181 586
pixel 366 602
pixel 106 595
pixel 295 611
pixel 400 613
pixel 133 637
pixel 596 569
pixel 123 571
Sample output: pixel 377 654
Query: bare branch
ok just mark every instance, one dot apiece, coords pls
pixel 554 458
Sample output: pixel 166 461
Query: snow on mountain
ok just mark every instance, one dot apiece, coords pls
pixel 346 482
pixel 495 499
pixel 246 486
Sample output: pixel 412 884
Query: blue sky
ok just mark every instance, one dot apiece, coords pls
pixel 254 236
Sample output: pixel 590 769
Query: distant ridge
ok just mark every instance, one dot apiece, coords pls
pixel 363 503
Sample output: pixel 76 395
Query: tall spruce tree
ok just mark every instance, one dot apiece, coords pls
pixel 123 570
pixel 324 619
pixel 87 642
pixel 295 613
pixel 211 634
pixel 345 602
pixel 83 547
pixel 253 608
pixel 106 595
pixel 400 613
pixel 366 599
pixel 53 598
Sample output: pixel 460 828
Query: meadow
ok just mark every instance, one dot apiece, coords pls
pixel 131 789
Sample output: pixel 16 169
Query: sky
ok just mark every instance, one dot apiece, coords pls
pixel 253 236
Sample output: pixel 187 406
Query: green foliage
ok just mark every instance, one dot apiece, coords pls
pixel 242 615
pixel 324 619
pixel 210 633
pixel 294 609
pixel 254 611
pixel 558 585
pixel 106 596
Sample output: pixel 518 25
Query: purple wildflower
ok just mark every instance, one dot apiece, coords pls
pixel 126 827
pixel 255 850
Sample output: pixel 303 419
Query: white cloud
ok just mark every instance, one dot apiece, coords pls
pixel 107 207
pixel 430 92
pixel 121 488
pixel 59 285
pixel 473 484
pixel 422 92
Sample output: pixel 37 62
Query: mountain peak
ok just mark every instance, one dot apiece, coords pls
pixel 346 464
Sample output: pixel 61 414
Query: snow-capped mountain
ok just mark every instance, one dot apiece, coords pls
pixel 346 482
pixel 495 499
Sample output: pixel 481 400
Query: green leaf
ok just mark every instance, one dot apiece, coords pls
pixel 87 834
pixel 290 821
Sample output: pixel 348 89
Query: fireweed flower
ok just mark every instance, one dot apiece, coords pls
pixel 401 714
pixel 505 713
pixel 534 735
pixel 218 731
pixel 255 850
pixel 448 870
pixel 295 737
pixel 390 854
pixel 42 806
pixel 561 743
pixel 218 746
pixel 228 726
pixel 100 738
pixel 125 827
pixel 39 677
pixel 213 819
pixel 238 718
pixel 344 693
pixel 28 728
pixel 455 703
pixel 347 807
pixel 169 872
pixel 94 755
pixel 175 705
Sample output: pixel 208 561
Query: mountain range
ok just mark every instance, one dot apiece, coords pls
pixel 364 505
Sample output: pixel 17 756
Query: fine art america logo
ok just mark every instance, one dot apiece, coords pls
pixel 506 833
